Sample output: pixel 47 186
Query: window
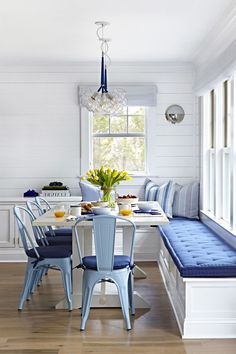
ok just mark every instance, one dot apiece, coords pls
pixel 219 153
pixel 120 140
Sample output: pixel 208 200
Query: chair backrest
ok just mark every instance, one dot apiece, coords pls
pixel 39 209
pixel 39 232
pixel 104 230
pixel 43 203
pixel 24 233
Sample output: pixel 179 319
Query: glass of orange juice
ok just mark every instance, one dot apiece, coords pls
pixel 125 209
pixel 126 212
pixel 59 211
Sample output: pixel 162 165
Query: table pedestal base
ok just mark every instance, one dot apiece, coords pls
pixel 108 300
pixel 139 273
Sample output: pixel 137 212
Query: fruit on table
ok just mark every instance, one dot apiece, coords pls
pixel 128 196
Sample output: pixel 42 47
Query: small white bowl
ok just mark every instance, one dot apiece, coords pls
pixel 101 211
pixel 146 206
pixel 100 204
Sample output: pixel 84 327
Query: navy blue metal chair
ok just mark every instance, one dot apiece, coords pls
pixel 40 258
pixel 106 266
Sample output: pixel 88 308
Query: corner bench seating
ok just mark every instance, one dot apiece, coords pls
pixel 199 272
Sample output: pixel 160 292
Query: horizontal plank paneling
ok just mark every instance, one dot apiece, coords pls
pixel 176 98
pixel 174 151
pixel 170 140
pixel 174 161
pixel 40 125
pixel 172 130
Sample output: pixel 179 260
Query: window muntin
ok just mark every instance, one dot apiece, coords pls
pixel 213 117
pixel 120 140
pixel 226 113
pixel 226 195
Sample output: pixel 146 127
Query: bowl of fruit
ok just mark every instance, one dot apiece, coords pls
pixel 127 199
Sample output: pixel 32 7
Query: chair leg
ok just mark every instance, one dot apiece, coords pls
pixel 86 306
pixel 35 281
pixel 29 278
pixel 131 293
pixel 66 278
pixel 124 299
pixel 122 282
pixel 88 286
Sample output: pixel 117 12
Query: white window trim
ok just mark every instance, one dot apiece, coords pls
pixel 86 148
pixel 219 150
pixel 225 151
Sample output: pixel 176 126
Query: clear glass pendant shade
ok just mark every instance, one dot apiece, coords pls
pixel 111 102
pixel 103 101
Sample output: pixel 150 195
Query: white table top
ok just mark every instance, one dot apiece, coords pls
pixel 48 219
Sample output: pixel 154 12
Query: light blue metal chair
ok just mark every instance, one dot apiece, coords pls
pixel 40 258
pixel 43 203
pixel 44 206
pixel 106 266
pixel 45 235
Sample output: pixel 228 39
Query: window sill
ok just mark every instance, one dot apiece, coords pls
pixel 218 222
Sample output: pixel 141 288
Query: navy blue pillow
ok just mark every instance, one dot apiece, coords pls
pixel 89 192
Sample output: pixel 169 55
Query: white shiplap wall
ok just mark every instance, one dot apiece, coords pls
pixel 40 124
pixel 40 128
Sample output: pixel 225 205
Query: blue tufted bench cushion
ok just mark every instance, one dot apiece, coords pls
pixel 197 251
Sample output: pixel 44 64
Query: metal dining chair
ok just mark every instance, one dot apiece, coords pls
pixel 43 237
pixel 40 258
pixel 106 266
pixel 45 206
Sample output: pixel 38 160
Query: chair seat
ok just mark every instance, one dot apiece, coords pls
pixel 60 232
pixel 120 262
pixel 50 252
pixel 57 241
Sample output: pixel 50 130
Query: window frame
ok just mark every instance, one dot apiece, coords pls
pixel 224 146
pixel 86 150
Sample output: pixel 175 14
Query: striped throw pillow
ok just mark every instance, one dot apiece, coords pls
pixel 186 201
pixel 163 194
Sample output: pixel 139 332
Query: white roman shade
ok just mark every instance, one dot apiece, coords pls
pixel 137 94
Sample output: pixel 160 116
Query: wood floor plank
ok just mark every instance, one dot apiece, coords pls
pixel 40 329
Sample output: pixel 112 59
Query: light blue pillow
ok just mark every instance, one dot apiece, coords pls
pixel 89 192
pixel 163 194
pixel 186 201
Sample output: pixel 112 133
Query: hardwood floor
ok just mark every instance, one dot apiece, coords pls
pixel 39 329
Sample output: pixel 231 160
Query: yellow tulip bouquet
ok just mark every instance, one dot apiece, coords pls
pixel 106 178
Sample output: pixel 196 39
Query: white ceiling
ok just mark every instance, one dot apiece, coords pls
pixel 63 31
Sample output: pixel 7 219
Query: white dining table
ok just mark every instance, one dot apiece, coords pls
pixel 105 294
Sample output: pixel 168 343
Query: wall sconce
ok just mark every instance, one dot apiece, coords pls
pixel 174 114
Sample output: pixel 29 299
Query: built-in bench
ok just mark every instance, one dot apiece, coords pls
pixel 199 272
